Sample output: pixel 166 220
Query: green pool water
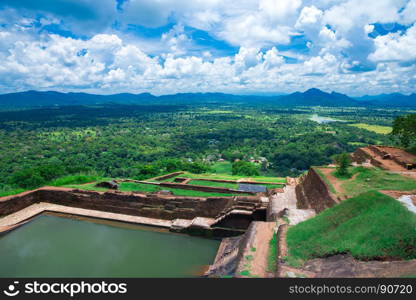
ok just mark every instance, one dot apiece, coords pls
pixel 52 246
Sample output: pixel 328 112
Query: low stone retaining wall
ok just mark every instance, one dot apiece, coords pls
pixel 152 206
pixel 234 181
pixel 167 176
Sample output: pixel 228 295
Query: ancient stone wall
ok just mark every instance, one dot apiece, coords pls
pixel 153 206
pixel 167 176
pixel 313 193
pixel 360 156
pixel 202 188
pixel 11 204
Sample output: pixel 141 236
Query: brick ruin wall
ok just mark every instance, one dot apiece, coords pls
pixel 313 192
pixel 397 155
pixel 202 188
pixel 152 206
pixel 360 156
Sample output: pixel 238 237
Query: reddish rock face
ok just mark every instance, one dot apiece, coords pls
pixel 313 192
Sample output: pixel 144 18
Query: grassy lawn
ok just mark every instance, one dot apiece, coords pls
pixel 8 192
pixel 86 187
pixel 375 128
pixel 367 179
pixel 235 177
pixel 149 188
pixel 69 180
pixel 224 167
pixel 371 225
pixel 76 179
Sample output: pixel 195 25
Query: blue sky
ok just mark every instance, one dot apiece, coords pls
pixel 245 47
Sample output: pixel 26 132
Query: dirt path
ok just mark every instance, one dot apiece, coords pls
pixel 337 184
pixel 254 261
pixel 264 234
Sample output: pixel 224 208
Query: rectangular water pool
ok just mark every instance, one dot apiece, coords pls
pixel 52 246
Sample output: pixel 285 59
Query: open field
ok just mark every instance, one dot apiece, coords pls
pixel 224 167
pixel 375 128
pixel 354 227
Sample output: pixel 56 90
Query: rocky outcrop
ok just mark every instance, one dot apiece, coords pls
pixel 313 193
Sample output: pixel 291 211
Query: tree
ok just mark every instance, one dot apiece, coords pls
pixel 343 161
pixel 404 128
pixel 245 168
pixel 27 178
pixel 196 167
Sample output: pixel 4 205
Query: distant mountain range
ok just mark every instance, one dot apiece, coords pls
pixel 311 97
pixel 316 97
pixel 391 100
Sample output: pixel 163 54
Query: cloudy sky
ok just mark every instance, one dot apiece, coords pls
pixel 247 46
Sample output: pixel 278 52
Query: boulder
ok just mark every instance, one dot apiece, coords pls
pixel 108 185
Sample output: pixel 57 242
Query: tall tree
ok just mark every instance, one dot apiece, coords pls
pixel 404 128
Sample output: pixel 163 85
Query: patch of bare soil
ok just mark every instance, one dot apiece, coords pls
pixel 337 184
pixel 398 194
pixel 390 164
pixel 254 262
pixel 400 154
pixel 264 234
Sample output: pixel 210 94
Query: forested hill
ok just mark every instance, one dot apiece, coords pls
pixel 311 97
pixel 391 100
pixel 316 97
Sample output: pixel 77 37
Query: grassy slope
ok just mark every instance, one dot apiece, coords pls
pixel 368 226
pixel 8 192
pixel 376 179
pixel 69 180
pixel 224 167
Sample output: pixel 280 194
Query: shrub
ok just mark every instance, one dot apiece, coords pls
pixel 245 168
